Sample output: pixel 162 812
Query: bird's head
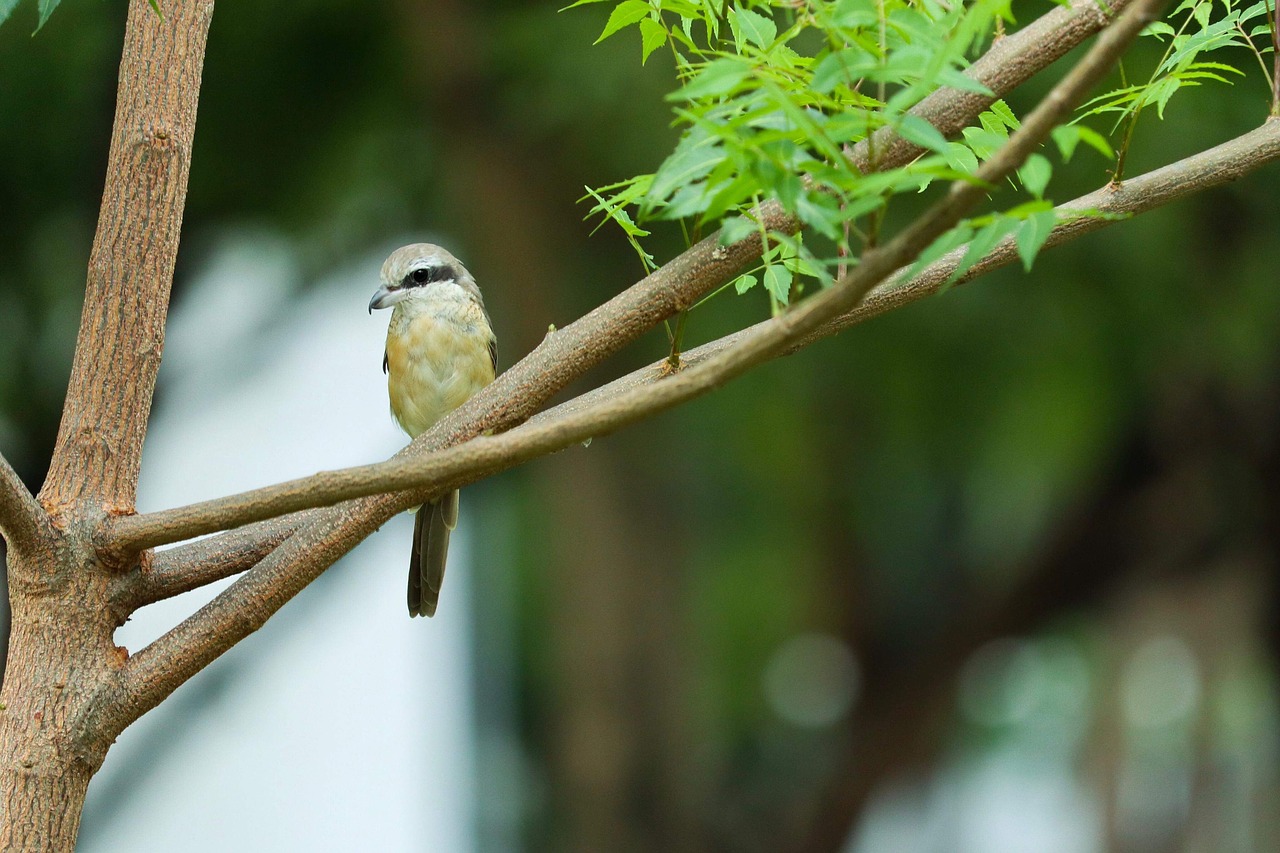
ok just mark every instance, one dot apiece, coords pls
pixel 420 271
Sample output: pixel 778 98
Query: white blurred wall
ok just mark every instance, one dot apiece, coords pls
pixel 342 724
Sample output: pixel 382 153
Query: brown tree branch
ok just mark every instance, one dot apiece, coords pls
pixel 191 566
pixel 182 569
pixel 113 374
pixel 151 675
pixel 160 668
pixel 21 516
pixel 1219 165
pixel 563 355
pixel 567 354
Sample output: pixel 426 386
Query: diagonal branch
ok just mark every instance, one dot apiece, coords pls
pixel 191 566
pixel 113 374
pixel 160 668
pixel 21 517
pixel 567 354
pixel 1215 167
pixel 563 356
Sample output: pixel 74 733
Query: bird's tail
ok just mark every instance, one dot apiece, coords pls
pixel 431 527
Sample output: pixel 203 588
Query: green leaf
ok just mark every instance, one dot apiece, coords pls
pixel 743 283
pixel 693 158
pixel 1096 141
pixel 947 242
pixel 6 9
pixel 753 26
pixel 1035 174
pixel 1001 111
pixel 919 132
pixel 689 200
pixel 777 280
pixel 983 142
pixel 46 8
pixel 614 210
pixel 820 211
pixel 960 158
pixel 1201 11
pixel 1160 93
pixel 1031 235
pixel 652 36
pixel 624 14
pixel 1066 136
pixel 980 246
pixel 735 229
pixel 719 77
pixel 957 80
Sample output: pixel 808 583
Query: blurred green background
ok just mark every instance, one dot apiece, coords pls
pixel 1003 558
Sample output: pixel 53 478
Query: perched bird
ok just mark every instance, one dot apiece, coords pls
pixel 440 350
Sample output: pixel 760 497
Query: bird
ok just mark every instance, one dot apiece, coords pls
pixel 440 350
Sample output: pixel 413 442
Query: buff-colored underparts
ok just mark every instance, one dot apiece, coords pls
pixel 437 357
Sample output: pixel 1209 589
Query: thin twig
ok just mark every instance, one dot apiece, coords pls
pixel 22 519
pixel 157 670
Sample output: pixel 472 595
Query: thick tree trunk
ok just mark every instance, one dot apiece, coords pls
pixel 61 659
pixel 62 683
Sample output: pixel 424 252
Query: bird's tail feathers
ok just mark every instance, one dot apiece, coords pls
pixel 431 528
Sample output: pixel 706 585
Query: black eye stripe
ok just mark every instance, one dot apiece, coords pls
pixel 425 275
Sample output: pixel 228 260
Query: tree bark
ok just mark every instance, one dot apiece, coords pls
pixel 63 664
pixel 117 355
pixel 57 667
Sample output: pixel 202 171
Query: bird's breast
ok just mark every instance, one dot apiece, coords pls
pixel 436 359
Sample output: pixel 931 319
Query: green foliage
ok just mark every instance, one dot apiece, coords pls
pixel 773 96
pixel 1181 66
pixel 6 9
pixel 45 10
pixel 771 99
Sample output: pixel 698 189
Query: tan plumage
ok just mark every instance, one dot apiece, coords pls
pixel 440 351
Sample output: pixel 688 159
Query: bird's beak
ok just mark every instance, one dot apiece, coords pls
pixel 384 298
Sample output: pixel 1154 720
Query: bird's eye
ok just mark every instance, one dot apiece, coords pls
pixel 420 275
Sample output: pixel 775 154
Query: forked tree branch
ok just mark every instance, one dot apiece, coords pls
pixel 22 519
pixel 1219 165
pixel 1208 169
pixel 104 419
pixel 563 356
pixel 157 670
pixel 195 564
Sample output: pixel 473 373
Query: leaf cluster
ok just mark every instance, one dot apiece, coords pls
pixel 773 96
pixel 1207 26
